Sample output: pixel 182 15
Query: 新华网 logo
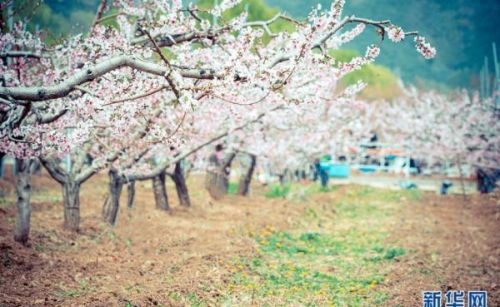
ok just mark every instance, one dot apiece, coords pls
pixel 455 298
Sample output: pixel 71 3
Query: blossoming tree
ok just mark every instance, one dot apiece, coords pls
pixel 443 129
pixel 106 96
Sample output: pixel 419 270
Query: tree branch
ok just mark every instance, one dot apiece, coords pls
pixel 102 19
pixel 160 168
pixel 381 24
pixel 95 71
pixel 98 16
pixel 51 118
pixel 55 171
pixel 167 62
pixel 23 54
pixel 142 95
pixel 174 39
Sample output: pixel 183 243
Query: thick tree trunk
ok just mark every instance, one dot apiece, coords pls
pixel 180 186
pixel 160 191
pixel 23 190
pixel 71 195
pixel 244 186
pixel 131 194
pixel 112 203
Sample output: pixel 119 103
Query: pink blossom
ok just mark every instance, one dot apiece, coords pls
pixel 424 48
pixel 395 34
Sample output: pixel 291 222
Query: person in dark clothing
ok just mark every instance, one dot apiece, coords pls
pixel 486 179
pixel 321 172
pixel 445 186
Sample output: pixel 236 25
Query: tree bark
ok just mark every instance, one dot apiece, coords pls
pixel 180 185
pixel 160 192
pixel 23 190
pixel 131 194
pixel 71 195
pixel 112 203
pixel 244 186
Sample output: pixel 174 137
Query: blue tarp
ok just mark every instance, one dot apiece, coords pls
pixel 336 170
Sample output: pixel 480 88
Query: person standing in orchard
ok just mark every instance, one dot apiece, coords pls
pixel 320 171
pixel 218 171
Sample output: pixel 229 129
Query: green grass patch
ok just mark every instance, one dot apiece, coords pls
pixel 278 191
pixel 341 263
pixel 233 187
pixel 316 268
pixel 317 188
pixel 377 195
pixel 285 190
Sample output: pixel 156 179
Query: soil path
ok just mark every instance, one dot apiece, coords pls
pixel 152 255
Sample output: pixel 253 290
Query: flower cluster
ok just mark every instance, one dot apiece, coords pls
pixel 352 34
pixel 356 63
pixel 424 48
pixel 336 8
pixel 395 33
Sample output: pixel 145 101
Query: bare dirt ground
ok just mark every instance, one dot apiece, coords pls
pixel 456 246
pixel 156 258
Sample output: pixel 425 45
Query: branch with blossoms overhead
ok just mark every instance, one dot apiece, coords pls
pixel 166 40
pixel 223 61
